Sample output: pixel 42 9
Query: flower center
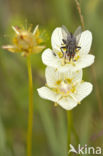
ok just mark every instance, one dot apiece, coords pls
pixel 24 41
pixel 65 87
pixel 66 60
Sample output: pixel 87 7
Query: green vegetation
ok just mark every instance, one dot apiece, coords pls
pixel 50 123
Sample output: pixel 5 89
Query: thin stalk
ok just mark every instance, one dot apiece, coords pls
pixel 97 90
pixel 69 120
pixel 80 14
pixel 30 113
pixel 76 135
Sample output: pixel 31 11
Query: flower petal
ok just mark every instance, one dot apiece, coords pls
pixel 75 76
pixel 50 60
pixel 82 62
pixel 48 94
pixel 35 29
pixel 10 48
pixel 85 42
pixel 83 90
pixel 67 103
pixel 16 29
pixel 56 39
pixel 85 61
pixel 52 76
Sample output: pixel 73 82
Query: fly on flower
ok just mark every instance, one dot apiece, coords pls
pixel 71 52
pixel 25 41
pixel 70 43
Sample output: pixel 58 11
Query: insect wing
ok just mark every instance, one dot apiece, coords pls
pixel 77 34
pixel 78 31
pixel 65 32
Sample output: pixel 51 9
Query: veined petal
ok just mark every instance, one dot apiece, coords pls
pixel 51 76
pixel 81 63
pixel 85 42
pixel 48 94
pixel 50 60
pixel 83 90
pixel 67 103
pixel 56 39
pixel 76 76
pixel 85 61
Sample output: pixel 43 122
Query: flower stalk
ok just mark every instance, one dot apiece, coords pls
pixel 27 42
pixel 30 113
pixel 64 83
pixel 69 121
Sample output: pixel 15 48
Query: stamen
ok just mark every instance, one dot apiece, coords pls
pixel 55 104
pixel 16 30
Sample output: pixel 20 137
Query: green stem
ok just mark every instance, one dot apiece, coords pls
pixel 75 134
pixel 69 120
pixel 30 115
pixel 71 129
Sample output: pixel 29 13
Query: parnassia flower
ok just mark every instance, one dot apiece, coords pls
pixel 54 58
pixel 65 89
pixel 25 41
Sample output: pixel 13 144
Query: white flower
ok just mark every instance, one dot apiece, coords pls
pixel 81 60
pixel 66 89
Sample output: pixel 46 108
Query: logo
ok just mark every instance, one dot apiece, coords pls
pixel 85 150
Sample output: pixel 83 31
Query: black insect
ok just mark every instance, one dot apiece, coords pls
pixel 70 42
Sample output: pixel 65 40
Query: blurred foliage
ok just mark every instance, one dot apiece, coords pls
pixel 49 124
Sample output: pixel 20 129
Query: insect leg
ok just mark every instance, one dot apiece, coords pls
pixel 78 47
pixel 73 54
pixel 64 41
pixel 65 57
pixel 62 50
pixel 63 47
pixel 70 54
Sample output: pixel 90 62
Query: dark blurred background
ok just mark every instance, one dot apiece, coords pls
pixel 49 122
